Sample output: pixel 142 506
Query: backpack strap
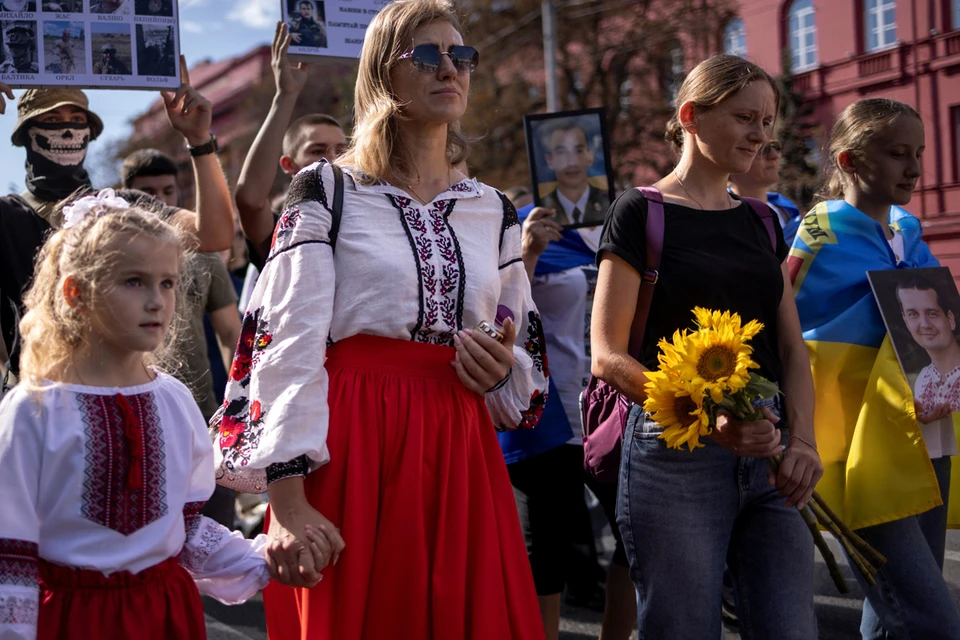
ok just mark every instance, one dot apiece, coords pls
pixel 765 212
pixel 648 279
pixel 336 211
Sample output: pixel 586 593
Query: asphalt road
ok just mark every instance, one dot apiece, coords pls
pixel 838 616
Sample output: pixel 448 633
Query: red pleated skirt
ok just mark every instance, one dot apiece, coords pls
pixel 418 486
pixel 159 603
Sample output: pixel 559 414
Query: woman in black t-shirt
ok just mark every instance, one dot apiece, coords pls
pixel 684 514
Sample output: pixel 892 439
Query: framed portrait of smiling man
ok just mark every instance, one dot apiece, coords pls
pixel 569 156
pixel 921 310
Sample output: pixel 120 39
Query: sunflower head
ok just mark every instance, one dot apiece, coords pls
pixel 677 409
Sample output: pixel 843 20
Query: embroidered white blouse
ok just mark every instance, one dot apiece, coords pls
pixel 399 269
pixel 930 390
pixel 111 479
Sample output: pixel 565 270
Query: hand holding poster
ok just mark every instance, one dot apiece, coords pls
pixel 123 44
pixel 330 28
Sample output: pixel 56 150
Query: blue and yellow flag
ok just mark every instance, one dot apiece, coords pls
pixel 876 466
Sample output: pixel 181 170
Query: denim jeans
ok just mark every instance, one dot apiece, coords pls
pixel 684 514
pixel 911 600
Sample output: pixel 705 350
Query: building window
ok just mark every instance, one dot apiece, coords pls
pixel 803 36
pixel 956 14
pixel 672 72
pixel 881 29
pixel 735 38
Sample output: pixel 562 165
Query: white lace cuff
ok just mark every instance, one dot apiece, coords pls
pixel 224 564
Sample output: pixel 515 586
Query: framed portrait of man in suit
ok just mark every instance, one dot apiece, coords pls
pixel 569 156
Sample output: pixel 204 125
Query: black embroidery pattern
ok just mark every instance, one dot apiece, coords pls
pixel 440 269
pixel 510 218
pixel 280 470
pixel 18 563
pixel 535 343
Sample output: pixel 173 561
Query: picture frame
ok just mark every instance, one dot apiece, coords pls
pixel 921 311
pixel 569 157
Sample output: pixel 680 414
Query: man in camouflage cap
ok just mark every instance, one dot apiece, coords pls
pixel 109 63
pixel 21 40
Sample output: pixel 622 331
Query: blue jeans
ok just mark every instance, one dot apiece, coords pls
pixel 911 599
pixel 684 514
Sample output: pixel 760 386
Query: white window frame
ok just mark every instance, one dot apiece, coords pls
pixel 881 31
pixel 735 38
pixel 802 57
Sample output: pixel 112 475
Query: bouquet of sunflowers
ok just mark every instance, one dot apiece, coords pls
pixel 706 371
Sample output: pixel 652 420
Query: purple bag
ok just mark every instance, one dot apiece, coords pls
pixel 603 409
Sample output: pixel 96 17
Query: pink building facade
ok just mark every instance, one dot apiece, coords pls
pixel 843 51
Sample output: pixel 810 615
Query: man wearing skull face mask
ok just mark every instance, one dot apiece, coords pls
pixel 55 126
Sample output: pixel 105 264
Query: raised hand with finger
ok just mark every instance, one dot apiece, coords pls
pixel 189 113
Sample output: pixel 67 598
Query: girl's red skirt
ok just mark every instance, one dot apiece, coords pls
pixel 159 603
pixel 418 486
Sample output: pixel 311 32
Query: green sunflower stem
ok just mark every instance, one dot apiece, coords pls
pixel 872 554
pixel 812 518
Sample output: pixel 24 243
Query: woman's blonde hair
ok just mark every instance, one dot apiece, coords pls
pixel 52 330
pixel 378 148
pixel 710 83
pixel 852 131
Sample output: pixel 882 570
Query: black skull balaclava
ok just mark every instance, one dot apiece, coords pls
pixel 55 154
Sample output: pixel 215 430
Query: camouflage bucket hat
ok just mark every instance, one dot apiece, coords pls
pixel 35 102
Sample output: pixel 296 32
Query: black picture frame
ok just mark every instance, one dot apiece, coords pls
pixel 913 356
pixel 538 128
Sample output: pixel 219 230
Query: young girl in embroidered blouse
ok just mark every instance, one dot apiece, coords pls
pixel 360 392
pixel 106 461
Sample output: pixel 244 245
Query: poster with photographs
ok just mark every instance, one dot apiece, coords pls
pixel 569 156
pixel 327 28
pixel 94 44
pixel 921 309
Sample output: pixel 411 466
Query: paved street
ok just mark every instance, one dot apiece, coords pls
pixel 839 616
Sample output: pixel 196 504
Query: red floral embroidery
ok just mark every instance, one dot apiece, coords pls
pixel 108 498
pixel 530 417
pixel 254 339
pixel 255 410
pixel 241 366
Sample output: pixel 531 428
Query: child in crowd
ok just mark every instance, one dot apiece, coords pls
pixel 886 478
pixel 106 459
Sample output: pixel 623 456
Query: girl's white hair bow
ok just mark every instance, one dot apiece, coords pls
pixel 96 205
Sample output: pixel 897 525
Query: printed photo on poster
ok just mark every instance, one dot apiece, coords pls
pixel 114 7
pixel 307 23
pixel 20 53
pixel 156 50
pixel 154 8
pixel 64 47
pixel 569 157
pixel 62 6
pixel 111 49
pixel 921 309
pixel 17 6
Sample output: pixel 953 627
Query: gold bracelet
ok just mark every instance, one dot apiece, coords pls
pixel 805 442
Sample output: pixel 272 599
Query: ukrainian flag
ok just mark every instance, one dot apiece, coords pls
pixel 876 466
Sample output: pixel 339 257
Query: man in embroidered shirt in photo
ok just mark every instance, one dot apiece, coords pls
pixel 570 155
pixel 932 325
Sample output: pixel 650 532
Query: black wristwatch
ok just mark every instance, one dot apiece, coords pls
pixel 206 148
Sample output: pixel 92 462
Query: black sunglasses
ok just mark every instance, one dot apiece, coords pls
pixel 426 57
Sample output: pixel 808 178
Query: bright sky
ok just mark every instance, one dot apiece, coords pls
pixel 214 29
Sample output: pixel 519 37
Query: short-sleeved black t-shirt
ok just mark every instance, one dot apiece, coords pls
pixel 22 234
pixel 721 260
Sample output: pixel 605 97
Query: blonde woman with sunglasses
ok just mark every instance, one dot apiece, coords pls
pixel 377 363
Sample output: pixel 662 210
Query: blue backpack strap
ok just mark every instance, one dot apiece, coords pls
pixel 763 210
pixel 648 279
